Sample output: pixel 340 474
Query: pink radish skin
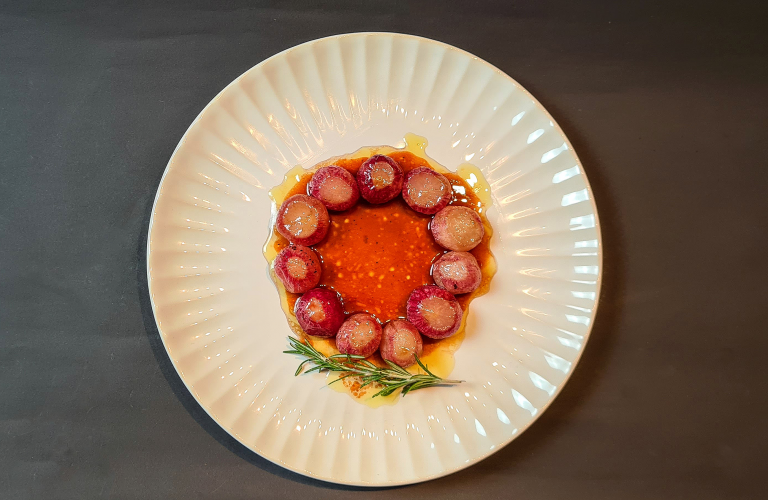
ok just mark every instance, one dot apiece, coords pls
pixel 457 272
pixel 319 312
pixel 434 312
pixel 426 191
pixel 298 267
pixel 380 179
pixel 457 228
pixel 303 220
pixel 401 343
pixel 335 187
pixel 359 335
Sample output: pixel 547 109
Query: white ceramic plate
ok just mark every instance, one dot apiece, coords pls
pixel 218 312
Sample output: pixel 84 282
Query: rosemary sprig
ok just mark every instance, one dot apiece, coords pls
pixel 392 378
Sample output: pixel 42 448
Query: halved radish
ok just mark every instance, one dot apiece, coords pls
pixel 380 179
pixel 298 268
pixel 457 272
pixel 457 228
pixel 319 312
pixel 400 343
pixel 335 187
pixel 434 311
pixel 360 334
pixel 303 220
pixel 426 191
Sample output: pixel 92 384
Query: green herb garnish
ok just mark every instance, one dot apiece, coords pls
pixel 392 378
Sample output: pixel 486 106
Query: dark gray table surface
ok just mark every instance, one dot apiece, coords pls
pixel 666 104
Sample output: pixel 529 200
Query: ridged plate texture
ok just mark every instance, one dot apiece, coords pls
pixel 219 314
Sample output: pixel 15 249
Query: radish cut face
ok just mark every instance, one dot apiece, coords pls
pixel 319 312
pixel 298 267
pixel 457 272
pixel 360 335
pixel 400 343
pixel 303 220
pixel 335 187
pixel 426 191
pixel 380 179
pixel 434 312
pixel 457 228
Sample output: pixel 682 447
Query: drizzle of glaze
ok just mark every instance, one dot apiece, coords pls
pixel 375 255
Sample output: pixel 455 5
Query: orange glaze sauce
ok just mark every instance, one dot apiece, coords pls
pixel 375 255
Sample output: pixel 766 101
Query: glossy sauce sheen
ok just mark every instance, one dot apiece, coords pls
pixel 375 255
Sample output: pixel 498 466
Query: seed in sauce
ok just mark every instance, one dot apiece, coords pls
pixel 401 343
pixel 434 312
pixel 426 191
pixel 298 268
pixel 380 179
pixel 303 220
pixel 319 312
pixel 457 228
pixel 457 272
pixel 359 335
pixel 367 249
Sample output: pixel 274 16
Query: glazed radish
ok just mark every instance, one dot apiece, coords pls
pixel 303 220
pixel 380 179
pixel 400 343
pixel 434 311
pixel 319 312
pixel 457 272
pixel 298 268
pixel 457 228
pixel 335 187
pixel 360 335
pixel 426 191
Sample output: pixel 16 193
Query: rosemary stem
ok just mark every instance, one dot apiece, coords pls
pixel 391 379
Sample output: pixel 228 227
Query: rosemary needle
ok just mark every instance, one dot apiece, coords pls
pixel 392 378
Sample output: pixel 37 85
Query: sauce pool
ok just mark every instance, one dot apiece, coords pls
pixel 375 255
